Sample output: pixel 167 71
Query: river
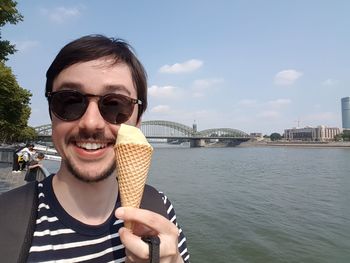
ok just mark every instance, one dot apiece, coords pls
pixel 258 204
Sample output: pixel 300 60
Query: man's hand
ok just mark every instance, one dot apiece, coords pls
pixel 148 223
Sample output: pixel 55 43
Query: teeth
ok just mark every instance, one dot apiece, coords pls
pixel 91 146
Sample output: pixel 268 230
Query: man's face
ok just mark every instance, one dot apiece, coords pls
pixel 86 144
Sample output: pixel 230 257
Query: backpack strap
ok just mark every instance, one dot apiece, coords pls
pixel 152 200
pixel 17 222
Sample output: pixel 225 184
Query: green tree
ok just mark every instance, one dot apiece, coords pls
pixel 346 135
pixel 338 137
pixel 14 108
pixel 8 14
pixel 275 136
pixel 14 100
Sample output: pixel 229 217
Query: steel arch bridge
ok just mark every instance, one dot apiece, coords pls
pixel 43 130
pixel 223 132
pixel 160 128
pixel 167 129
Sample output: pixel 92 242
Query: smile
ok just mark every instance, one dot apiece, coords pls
pixel 91 145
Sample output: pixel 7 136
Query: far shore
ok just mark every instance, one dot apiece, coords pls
pixel 297 144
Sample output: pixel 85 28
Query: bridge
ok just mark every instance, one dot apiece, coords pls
pixel 175 133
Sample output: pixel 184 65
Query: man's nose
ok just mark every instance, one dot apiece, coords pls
pixel 92 119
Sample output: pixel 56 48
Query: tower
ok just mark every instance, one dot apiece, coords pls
pixel 345 110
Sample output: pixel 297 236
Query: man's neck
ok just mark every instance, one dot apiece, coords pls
pixel 90 203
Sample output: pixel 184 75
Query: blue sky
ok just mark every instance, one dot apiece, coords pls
pixel 256 66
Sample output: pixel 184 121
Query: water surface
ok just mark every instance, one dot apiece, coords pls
pixel 272 204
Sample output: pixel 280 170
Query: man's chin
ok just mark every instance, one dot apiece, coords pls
pixel 89 176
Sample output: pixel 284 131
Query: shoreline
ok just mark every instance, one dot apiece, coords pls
pixel 298 144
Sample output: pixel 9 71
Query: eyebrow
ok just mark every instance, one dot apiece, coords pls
pixel 78 86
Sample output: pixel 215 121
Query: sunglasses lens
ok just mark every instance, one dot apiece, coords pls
pixel 116 108
pixel 68 105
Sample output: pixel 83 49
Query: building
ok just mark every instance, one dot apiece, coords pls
pixel 258 136
pixel 345 111
pixel 320 133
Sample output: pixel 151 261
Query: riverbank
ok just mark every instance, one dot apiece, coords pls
pixel 296 144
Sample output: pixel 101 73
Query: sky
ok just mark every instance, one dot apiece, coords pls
pixel 255 66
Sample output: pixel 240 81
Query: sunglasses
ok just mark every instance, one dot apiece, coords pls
pixel 70 105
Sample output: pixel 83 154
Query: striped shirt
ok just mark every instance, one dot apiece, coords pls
pixel 58 237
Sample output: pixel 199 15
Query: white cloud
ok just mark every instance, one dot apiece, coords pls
pixel 163 92
pixel 23 46
pixel 160 109
pixel 61 14
pixel 287 77
pixel 187 66
pixel 330 82
pixel 279 103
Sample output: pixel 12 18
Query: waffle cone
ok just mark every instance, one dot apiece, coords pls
pixel 133 162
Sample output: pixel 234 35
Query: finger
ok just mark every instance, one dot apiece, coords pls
pixel 134 244
pixel 152 220
pixel 142 230
pixel 132 258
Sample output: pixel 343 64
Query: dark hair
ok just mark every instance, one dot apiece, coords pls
pixel 93 47
pixel 40 155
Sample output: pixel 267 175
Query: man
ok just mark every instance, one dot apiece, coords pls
pixel 93 85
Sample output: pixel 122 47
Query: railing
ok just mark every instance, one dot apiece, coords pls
pixel 6 155
pixel 42 172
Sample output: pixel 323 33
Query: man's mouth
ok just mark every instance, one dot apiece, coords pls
pixel 91 145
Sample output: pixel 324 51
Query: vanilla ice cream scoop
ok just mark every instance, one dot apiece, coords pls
pixel 133 158
pixel 130 134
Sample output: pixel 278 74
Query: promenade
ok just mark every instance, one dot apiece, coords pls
pixel 9 180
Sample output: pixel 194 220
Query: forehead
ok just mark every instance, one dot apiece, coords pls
pixel 95 76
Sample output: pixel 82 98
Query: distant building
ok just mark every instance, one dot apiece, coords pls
pixel 256 134
pixel 320 133
pixel 345 111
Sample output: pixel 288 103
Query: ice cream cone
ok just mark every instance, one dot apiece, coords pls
pixel 133 161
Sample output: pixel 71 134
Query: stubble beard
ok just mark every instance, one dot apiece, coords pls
pixel 98 177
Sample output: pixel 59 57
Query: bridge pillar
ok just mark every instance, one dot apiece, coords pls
pixel 197 143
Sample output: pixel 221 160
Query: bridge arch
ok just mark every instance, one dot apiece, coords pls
pixel 224 132
pixel 44 130
pixel 168 128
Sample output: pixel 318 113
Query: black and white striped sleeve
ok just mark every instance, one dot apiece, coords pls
pixel 182 245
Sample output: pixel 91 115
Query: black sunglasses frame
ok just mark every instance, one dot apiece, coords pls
pixel 123 116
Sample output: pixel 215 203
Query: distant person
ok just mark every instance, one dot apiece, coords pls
pixel 26 155
pixel 22 157
pixel 93 85
pixel 16 167
pixel 34 172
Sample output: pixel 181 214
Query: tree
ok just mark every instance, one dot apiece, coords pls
pixel 346 135
pixel 14 108
pixel 14 100
pixel 338 137
pixel 8 14
pixel 275 136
